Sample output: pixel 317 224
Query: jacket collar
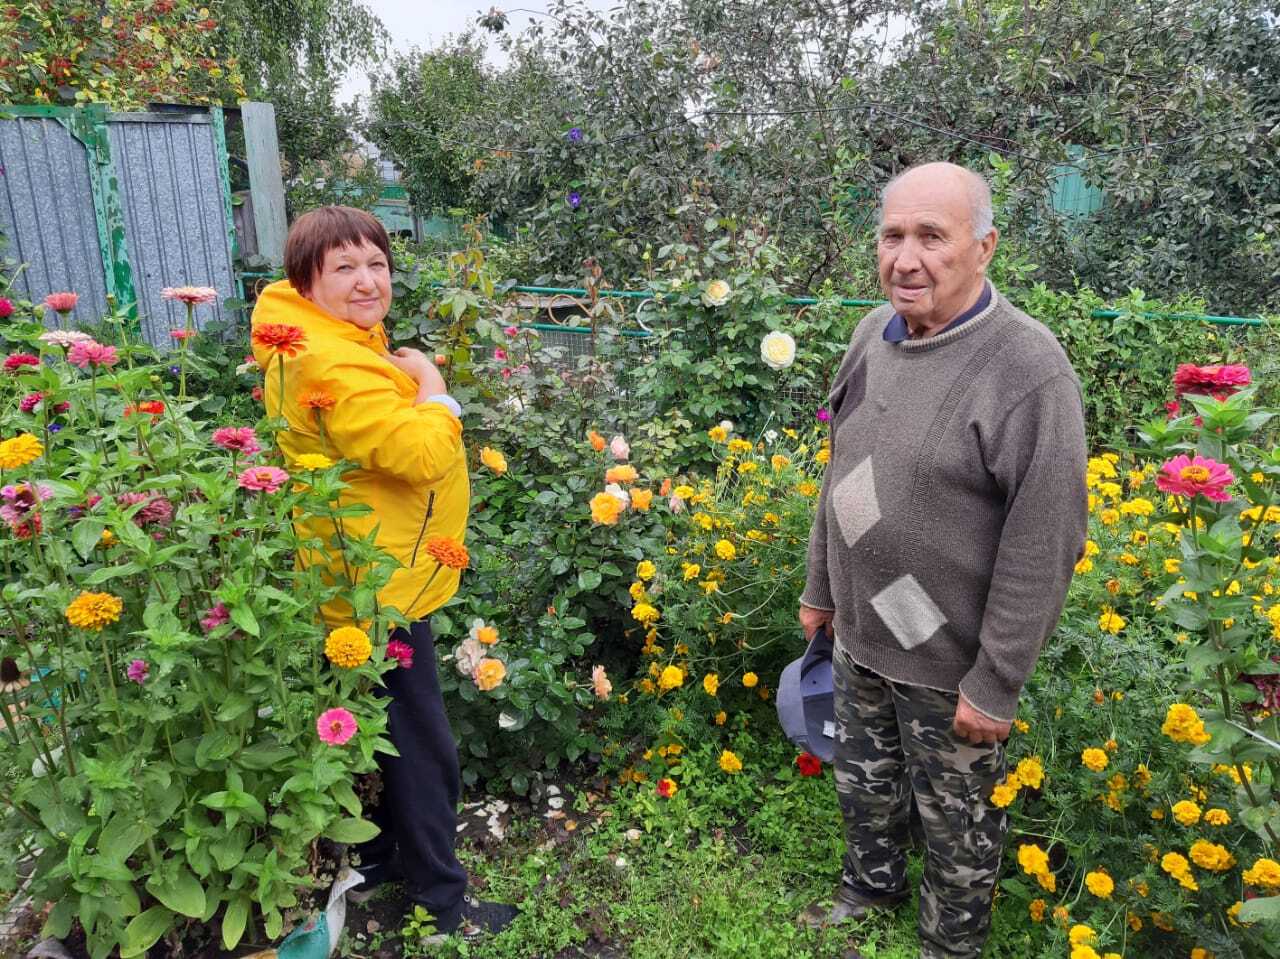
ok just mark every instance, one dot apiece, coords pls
pixel 316 321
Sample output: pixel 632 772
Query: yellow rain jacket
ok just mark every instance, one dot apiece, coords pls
pixel 403 453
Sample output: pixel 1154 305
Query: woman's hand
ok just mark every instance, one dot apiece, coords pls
pixel 418 366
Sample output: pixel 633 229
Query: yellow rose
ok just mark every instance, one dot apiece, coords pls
pixel 493 459
pixel 489 674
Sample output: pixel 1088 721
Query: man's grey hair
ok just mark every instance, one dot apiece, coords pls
pixel 981 214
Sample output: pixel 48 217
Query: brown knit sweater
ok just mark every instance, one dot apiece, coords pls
pixel 954 506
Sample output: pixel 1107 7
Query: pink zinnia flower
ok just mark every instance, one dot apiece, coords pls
pixel 500 355
pixel 15 362
pixel 824 415
pixel 138 671
pixel 336 726
pixel 90 353
pixel 191 295
pixel 6 307
pixel 157 511
pixel 1214 380
pixel 1191 476
pixel 62 302
pixel 64 338
pixel 19 499
pixel 401 652
pixel 510 330
pixel 217 615
pixel 263 479
pixel 181 335
pixel 30 402
pixel 237 439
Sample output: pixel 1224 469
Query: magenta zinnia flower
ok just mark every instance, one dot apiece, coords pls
pixel 237 439
pixel 217 615
pixel 402 653
pixel 157 511
pixel 16 361
pixel 336 726
pixel 181 335
pixel 30 402
pixel 90 353
pixel 824 415
pixel 1214 380
pixel 1191 476
pixel 263 479
pixel 19 500
pixel 138 671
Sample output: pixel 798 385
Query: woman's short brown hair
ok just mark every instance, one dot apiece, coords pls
pixel 315 233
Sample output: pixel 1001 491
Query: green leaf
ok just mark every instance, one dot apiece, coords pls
pixel 215 747
pixel 243 617
pixel 351 830
pixel 264 755
pixel 234 705
pixel 182 893
pixel 145 930
pixel 589 579
pixel 86 535
pixel 234 921
pixel 122 836
pixel 1264 909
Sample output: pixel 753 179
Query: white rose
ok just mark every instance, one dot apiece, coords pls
pixel 727 425
pixel 617 492
pixel 468 655
pixel 778 350
pixel 716 293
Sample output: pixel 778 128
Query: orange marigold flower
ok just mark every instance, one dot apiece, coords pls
pixel 448 552
pixel 597 441
pixel 316 400
pixel 280 338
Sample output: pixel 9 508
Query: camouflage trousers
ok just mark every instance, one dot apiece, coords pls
pixel 894 742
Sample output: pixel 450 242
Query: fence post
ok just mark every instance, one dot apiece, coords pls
pixel 266 185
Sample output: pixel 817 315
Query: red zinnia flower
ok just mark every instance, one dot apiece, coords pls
pixel 30 402
pixel 6 307
pixel 809 764
pixel 1214 380
pixel 154 407
pixel 61 302
pixel 17 361
pixel 1191 476
pixel 401 652
pixel 280 338
pixel 667 788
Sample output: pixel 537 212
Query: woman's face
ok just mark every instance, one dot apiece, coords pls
pixel 354 284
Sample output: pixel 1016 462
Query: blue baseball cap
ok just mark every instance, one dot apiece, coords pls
pixel 806 702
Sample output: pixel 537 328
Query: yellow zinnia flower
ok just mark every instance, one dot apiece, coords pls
pixel 730 763
pixel 348 647
pixel 19 450
pixel 313 461
pixel 711 683
pixel 94 610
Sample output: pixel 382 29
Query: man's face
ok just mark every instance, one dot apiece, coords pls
pixel 354 284
pixel 931 267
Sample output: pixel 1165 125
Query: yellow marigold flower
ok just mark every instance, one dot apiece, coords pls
pixel 756 536
pixel 1211 856
pixel 1021 725
pixel 1033 859
pixel 1060 915
pixel 645 570
pixel 721 717
pixel 1138 506
pixel 684 491
pixel 489 674
pixel 1183 724
pixel 1100 884
pixel 107 538
pixel 348 647
pixel 807 488
pixel 739 446
pixel 726 550
pixel 1161 921
pixel 605 509
pixel 1135 922
pixel 493 459
pixel 671 678
pixel 1139 537
pixel 690 571
pixel 1111 490
pixel 1005 793
pixel 18 451
pixel 1233 913
pixel 1084 566
pixel 773 519
pixel 313 461
pixel 1199 952
pixel 1090 548
pixel 778 461
pixel 1030 772
pixel 710 586
pixel 749 466
pixel 726 619
pixel 1136 478
pixel 1095 759
pixel 718 433
pixel 1217 817
pixel 1157 814
pixel 730 763
pixel 1036 908
pixel 749 680
pixel 94 610
pixel 1186 812
pixel 1109 517
pixel 1129 559
pixel 823 456
pixel 1080 934
pixel 1264 872
pixel 637 591
pixel 1172 566
pixel 641 499
pixel 646 686
pixel 1176 865
pixel 711 683
pixel 644 613
pixel 703 520
pixel 1110 621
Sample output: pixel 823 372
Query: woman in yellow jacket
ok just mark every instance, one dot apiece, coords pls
pixel 390 413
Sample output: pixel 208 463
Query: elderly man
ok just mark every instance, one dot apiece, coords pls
pixel 952 513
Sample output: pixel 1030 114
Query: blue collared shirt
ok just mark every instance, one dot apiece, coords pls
pixel 896 330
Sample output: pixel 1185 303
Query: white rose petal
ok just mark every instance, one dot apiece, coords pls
pixel 507 721
pixel 617 492
pixel 778 350
pixel 716 293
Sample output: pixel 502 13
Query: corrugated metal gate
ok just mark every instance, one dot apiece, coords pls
pixel 118 205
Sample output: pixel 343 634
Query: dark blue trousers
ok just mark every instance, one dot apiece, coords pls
pixel 417 811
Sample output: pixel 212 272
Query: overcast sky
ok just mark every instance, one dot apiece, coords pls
pixel 412 23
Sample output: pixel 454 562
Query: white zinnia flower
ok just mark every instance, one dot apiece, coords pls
pixel 64 338
pixel 716 293
pixel 778 350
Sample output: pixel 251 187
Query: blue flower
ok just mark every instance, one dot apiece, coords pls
pixel 175 370
pixel 574 198
pixel 575 134
pixel 54 427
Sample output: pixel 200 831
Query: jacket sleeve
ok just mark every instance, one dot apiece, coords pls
pixel 1038 457
pixel 378 427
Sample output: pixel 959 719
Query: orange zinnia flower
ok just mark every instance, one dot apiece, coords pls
pixel 280 338
pixel 316 400
pixel 448 552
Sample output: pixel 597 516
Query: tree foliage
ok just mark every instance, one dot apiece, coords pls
pixel 786 118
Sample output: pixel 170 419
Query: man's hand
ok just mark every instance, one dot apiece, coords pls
pixel 971 725
pixel 418 365
pixel 811 619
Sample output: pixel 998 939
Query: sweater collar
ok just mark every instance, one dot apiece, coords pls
pixel 897 331
pixel 959 328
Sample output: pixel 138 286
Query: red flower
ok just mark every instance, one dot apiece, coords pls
pixel 17 361
pixel 256 393
pixel 280 338
pixel 154 407
pixel 61 302
pixel 1215 380
pixel 667 788
pixel 6 307
pixel 401 652
pixel 30 402
pixel 809 764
